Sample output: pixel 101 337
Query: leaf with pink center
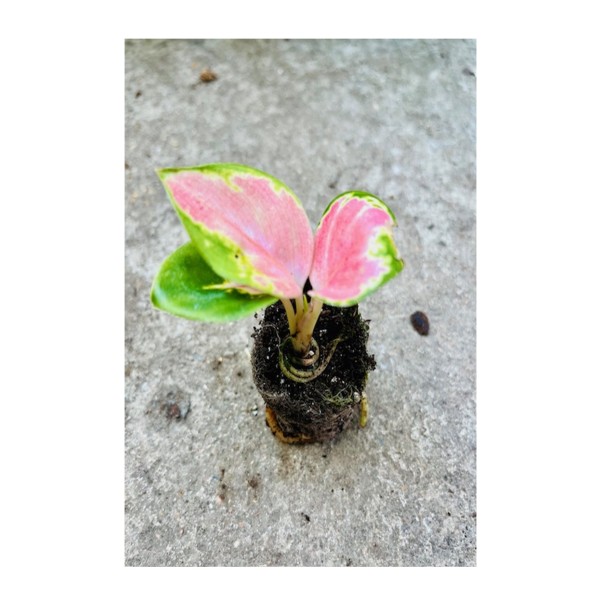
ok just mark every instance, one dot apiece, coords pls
pixel 249 227
pixel 354 249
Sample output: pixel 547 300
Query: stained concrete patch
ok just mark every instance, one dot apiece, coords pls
pixel 213 486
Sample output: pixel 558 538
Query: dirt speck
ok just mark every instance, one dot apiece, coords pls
pixel 175 405
pixel 420 322
pixel 207 75
pixel 222 493
pixel 173 411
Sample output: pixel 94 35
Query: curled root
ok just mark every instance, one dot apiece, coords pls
pixel 308 367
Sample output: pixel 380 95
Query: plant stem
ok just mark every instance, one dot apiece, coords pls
pixel 300 307
pixel 291 316
pixel 302 321
pixel 306 326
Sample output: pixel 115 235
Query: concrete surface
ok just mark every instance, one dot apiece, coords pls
pixel 214 487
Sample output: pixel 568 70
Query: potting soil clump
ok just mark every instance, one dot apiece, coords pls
pixel 319 409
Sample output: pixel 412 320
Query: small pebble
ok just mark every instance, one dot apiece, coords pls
pixel 420 322
pixel 207 76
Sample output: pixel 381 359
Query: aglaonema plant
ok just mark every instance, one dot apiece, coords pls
pixel 251 246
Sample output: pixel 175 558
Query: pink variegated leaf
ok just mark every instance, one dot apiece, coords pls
pixel 354 249
pixel 249 227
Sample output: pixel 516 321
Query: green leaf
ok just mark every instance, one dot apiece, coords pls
pixel 185 287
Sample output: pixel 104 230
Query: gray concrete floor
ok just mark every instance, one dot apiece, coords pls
pixel 395 118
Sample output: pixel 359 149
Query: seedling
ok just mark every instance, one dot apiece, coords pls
pixel 251 246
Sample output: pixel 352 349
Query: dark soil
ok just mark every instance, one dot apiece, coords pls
pixel 320 409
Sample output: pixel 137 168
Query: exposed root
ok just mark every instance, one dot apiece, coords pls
pixel 308 367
